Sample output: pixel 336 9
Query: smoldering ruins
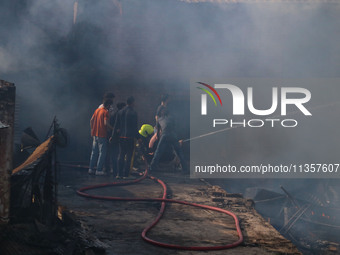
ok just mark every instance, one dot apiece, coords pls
pixel 64 55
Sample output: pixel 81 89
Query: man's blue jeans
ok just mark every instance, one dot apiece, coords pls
pixel 98 154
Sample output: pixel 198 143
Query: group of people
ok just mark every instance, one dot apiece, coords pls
pixel 115 134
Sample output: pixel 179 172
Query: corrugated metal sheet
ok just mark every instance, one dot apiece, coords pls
pixel 35 156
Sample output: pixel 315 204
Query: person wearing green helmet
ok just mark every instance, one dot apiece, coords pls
pixel 146 132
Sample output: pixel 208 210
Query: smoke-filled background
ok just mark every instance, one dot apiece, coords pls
pixel 63 55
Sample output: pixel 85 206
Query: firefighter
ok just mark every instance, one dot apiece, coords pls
pixel 146 131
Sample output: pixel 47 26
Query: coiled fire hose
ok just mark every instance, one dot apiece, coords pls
pixel 163 200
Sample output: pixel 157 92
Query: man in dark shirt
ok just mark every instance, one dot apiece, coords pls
pixel 126 126
pixel 114 141
pixel 167 138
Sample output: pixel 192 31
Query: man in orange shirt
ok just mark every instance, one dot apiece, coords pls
pixel 99 124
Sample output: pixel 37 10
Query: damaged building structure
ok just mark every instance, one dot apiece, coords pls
pixel 128 47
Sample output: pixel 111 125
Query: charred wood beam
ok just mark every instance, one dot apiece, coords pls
pixel 7 109
pixel 294 219
pixel 291 197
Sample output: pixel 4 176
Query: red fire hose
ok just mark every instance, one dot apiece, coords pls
pixel 163 200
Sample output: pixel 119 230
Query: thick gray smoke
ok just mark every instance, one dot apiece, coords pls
pixel 62 67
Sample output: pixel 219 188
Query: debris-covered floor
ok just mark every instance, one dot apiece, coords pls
pixel 118 225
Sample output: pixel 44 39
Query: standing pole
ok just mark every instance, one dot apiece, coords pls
pixel 7 109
